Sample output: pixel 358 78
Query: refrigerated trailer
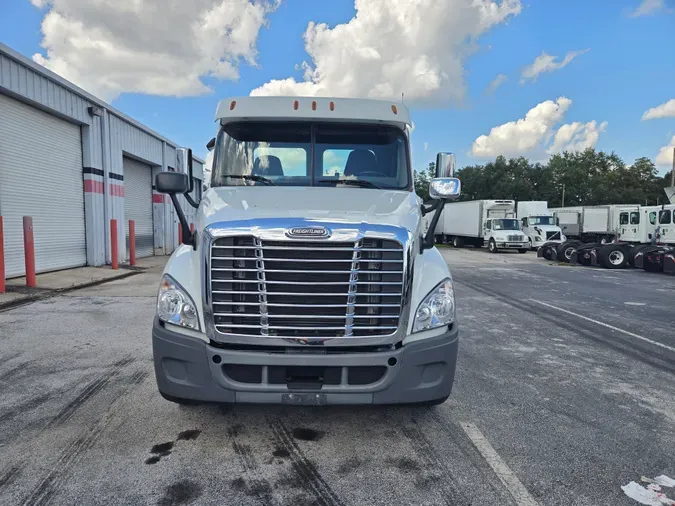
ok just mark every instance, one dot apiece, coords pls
pixel 490 223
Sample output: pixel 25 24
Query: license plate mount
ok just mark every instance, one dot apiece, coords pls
pixel 303 399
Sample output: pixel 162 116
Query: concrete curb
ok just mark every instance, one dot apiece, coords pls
pixel 5 306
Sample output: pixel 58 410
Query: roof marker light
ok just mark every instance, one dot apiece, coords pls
pixel 332 106
pixel 393 109
pixel 313 105
pixel 233 104
pixel 295 105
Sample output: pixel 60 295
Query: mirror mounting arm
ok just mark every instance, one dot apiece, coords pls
pixel 189 238
pixel 428 240
pixel 431 207
pixel 190 200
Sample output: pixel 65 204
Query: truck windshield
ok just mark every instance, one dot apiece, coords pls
pixel 505 224
pixel 305 154
pixel 541 220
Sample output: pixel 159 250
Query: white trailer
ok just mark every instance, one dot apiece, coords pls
pixel 587 223
pixel 538 223
pixel 490 223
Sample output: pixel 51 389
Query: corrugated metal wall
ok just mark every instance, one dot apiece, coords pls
pixel 107 136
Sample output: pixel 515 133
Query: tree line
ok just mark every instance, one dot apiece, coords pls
pixel 580 178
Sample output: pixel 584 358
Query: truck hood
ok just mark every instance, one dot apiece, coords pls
pixel 345 205
pixel 547 227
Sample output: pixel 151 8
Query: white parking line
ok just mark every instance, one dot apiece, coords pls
pixel 636 336
pixel 504 473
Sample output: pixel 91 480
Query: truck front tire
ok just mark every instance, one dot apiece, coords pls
pixel 492 246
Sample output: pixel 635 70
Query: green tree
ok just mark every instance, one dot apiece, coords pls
pixel 422 179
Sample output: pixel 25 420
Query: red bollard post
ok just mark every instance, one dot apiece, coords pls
pixel 29 251
pixel 132 242
pixel 2 259
pixel 114 255
pixel 180 234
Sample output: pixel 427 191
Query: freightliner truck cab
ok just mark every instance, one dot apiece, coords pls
pixel 308 278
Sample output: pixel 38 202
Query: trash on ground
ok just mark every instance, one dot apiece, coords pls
pixel 644 496
pixel 664 481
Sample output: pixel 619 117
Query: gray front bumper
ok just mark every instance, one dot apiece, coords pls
pixel 185 369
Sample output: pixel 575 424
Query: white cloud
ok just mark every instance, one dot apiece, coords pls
pixel 576 136
pixel 496 83
pixel 665 110
pixel 535 133
pixel 547 63
pixel 395 46
pixel 149 46
pixel 665 156
pixel 648 7
pixel 426 146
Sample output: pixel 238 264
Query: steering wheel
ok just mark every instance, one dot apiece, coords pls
pixel 372 173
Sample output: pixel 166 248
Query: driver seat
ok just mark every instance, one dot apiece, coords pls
pixel 360 161
pixel 267 165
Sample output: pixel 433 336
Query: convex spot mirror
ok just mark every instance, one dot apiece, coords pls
pixel 445 185
pixel 172 182
pixel 447 188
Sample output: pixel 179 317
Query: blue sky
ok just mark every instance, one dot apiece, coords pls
pixel 626 70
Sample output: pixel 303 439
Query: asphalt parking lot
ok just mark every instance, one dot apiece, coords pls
pixel 565 391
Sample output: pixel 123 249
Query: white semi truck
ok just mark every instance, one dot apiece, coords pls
pixel 538 223
pixel 490 223
pixel 308 278
pixel 611 236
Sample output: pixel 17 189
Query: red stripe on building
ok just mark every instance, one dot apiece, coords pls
pixel 157 198
pixel 117 190
pixel 91 186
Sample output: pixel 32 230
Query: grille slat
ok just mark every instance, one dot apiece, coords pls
pixel 308 289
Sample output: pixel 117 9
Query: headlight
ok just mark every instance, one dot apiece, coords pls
pixel 563 238
pixel 437 309
pixel 175 306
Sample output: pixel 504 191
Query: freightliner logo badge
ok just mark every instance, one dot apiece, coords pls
pixel 304 232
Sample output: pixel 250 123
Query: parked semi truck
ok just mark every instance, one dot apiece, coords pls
pixel 490 223
pixel 633 228
pixel 308 278
pixel 538 223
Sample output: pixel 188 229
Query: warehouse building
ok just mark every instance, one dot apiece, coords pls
pixel 73 163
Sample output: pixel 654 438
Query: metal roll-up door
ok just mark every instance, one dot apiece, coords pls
pixel 41 177
pixel 138 205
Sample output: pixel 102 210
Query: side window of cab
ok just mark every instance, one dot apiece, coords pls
pixel 488 224
pixel 652 218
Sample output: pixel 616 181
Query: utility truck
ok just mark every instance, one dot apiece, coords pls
pixel 308 279
pixel 538 223
pixel 490 223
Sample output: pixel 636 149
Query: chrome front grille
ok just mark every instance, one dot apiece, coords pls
pixel 514 238
pixel 306 289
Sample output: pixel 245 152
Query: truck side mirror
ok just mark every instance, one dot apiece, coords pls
pixel 211 144
pixel 445 188
pixel 172 182
pixel 445 165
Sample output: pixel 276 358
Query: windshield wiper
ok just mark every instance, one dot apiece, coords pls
pixel 356 182
pixel 250 177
